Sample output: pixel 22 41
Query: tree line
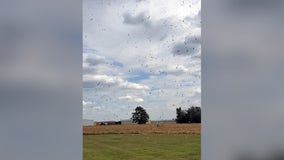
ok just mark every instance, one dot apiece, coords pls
pixel 190 115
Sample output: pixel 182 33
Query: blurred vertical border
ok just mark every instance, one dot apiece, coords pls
pixel 40 79
pixel 242 80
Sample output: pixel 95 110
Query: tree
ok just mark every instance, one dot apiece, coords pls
pixel 191 115
pixel 140 115
pixel 181 116
pixel 194 114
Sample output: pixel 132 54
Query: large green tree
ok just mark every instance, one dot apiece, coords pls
pixel 190 115
pixel 181 116
pixel 194 114
pixel 140 115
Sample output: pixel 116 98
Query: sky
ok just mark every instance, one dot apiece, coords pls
pixel 140 53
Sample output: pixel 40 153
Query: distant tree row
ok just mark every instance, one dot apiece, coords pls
pixel 190 115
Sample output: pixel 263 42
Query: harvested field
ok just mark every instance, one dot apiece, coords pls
pixel 144 129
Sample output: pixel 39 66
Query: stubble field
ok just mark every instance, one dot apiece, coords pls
pixel 165 128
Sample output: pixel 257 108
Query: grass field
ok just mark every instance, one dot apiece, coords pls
pixel 141 147
pixel 142 142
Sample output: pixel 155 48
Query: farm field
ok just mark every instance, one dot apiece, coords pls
pixel 141 147
pixel 163 128
pixel 167 141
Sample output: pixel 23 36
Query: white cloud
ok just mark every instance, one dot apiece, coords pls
pixel 177 70
pixel 135 99
pixel 139 100
pixel 94 60
pixel 104 79
pixel 86 103
pixel 125 97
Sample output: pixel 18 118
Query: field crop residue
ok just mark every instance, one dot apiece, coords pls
pixel 143 129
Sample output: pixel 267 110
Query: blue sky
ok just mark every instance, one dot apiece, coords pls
pixel 140 53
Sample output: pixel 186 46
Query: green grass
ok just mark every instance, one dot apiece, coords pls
pixel 141 147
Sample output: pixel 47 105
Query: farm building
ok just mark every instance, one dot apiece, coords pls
pixel 108 123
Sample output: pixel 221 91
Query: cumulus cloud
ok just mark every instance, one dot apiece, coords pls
pixel 197 89
pixel 195 21
pixel 190 46
pixel 84 103
pixel 94 60
pixel 139 100
pixel 135 99
pixel 93 63
pixel 125 97
pixel 89 104
pixel 150 29
pixel 177 70
pixel 138 19
pixel 94 80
